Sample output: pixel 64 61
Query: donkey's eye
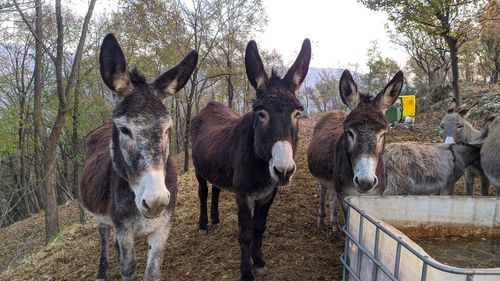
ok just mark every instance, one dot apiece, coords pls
pixel 261 115
pixel 298 114
pixel 460 126
pixel 126 131
pixel 350 134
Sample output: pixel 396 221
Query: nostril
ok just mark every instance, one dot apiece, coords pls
pixel 276 171
pixel 356 181
pixel 375 181
pixel 145 205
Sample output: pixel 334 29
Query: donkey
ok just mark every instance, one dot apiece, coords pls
pixel 345 149
pixel 457 130
pixel 250 155
pixel 490 149
pixel 128 180
pixel 421 169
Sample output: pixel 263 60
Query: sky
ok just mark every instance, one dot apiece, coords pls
pixel 340 31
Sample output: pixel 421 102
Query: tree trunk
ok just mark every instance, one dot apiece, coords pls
pixel 22 146
pixel 229 80
pixel 51 212
pixel 189 105
pixel 75 150
pixel 452 44
pixel 37 98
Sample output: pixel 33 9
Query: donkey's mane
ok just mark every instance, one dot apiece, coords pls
pixel 275 78
pixel 136 77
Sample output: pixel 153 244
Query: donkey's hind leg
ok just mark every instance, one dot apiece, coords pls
pixel 214 210
pixel 103 230
pixel 321 213
pixel 203 195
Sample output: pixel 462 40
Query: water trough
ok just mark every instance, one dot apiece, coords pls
pixel 376 247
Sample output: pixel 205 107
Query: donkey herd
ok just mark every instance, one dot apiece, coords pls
pixel 129 182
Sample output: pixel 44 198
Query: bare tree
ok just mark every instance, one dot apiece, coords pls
pixel 63 94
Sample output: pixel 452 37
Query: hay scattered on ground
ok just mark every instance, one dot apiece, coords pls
pixel 293 247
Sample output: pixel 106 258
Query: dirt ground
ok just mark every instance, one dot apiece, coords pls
pixel 295 249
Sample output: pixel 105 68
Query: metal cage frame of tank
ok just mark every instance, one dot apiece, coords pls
pixel 352 269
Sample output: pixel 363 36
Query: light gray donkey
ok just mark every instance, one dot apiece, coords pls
pixel 421 169
pixel 457 130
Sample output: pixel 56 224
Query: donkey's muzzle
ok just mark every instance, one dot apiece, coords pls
pixel 155 196
pixel 284 174
pixel 282 166
pixel 153 210
pixel 365 178
pixel 365 184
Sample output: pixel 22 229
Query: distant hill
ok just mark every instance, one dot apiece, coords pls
pixel 313 74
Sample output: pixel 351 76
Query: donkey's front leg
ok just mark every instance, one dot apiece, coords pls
pixel 127 255
pixel 245 236
pixel 259 225
pixel 156 241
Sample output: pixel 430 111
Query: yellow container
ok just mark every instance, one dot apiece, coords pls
pixel 408 105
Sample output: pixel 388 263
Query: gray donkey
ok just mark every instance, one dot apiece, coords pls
pixel 457 130
pixel 490 150
pixel 421 169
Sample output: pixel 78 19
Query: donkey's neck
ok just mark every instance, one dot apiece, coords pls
pixel 342 170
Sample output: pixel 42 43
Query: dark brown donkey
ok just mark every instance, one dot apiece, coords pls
pixel 345 150
pixel 250 155
pixel 128 180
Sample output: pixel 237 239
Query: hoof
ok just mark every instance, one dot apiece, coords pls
pixel 202 232
pixel 261 271
pixel 216 225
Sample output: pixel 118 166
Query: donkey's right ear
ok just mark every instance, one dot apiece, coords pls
pixel 176 78
pixel 113 65
pixel 348 90
pixel 391 92
pixel 255 69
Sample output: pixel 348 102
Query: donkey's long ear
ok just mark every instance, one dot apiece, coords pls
pixel 391 92
pixel 114 71
pixel 348 90
pixel 173 80
pixel 255 69
pixel 298 71
pixel 467 111
pixel 453 106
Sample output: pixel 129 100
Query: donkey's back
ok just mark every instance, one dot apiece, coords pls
pixel 97 171
pixel 214 120
pixel 321 149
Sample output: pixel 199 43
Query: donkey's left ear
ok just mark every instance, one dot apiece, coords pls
pixel 173 80
pixel 453 106
pixel 298 71
pixel 467 111
pixel 391 92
